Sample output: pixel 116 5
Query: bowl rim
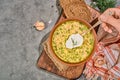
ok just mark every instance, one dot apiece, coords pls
pixel 51 35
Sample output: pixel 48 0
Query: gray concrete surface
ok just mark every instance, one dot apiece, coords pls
pixel 19 41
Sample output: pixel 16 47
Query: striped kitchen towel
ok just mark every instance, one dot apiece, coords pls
pixel 104 63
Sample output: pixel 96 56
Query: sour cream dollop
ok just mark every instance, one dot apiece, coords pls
pixel 74 40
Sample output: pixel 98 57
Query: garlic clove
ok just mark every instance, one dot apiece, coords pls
pixel 39 25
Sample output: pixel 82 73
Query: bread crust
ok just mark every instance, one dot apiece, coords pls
pixel 76 9
pixel 63 3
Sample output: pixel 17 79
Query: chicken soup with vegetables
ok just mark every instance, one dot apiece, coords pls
pixel 66 39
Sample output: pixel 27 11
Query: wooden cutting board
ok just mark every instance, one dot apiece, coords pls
pixel 44 62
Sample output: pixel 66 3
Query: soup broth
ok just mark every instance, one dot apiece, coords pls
pixel 61 35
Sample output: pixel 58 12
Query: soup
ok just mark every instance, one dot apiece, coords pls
pixel 61 35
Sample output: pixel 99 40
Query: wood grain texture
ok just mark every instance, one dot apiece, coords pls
pixel 73 72
pixel 46 63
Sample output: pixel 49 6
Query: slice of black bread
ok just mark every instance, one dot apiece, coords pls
pixel 63 3
pixel 76 9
